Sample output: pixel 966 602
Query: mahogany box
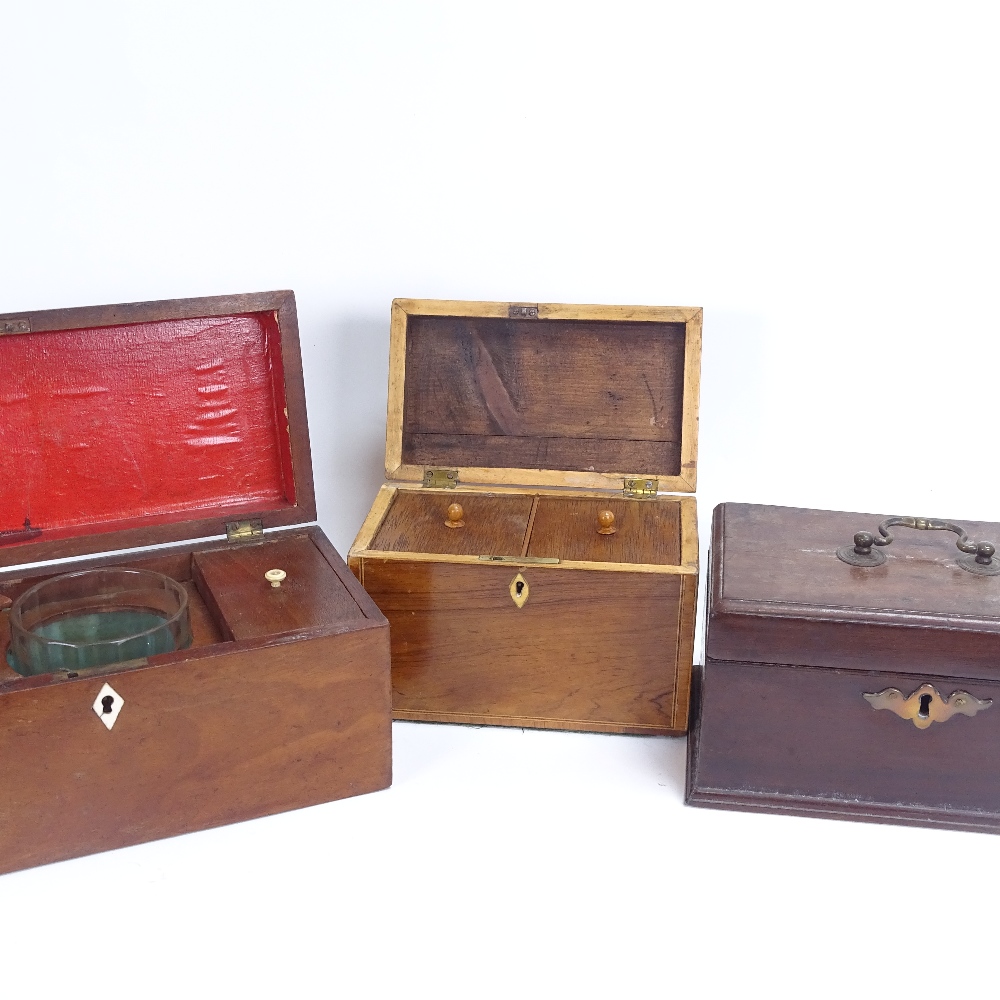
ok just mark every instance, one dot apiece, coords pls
pixel 852 668
pixel 181 422
pixel 534 567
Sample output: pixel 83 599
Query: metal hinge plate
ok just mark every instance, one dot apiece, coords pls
pixel 521 310
pixel 15 326
pixel 639 488
pixel 441 479
pixel 242 531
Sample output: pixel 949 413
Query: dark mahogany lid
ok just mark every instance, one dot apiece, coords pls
pixel 150 422
pixel 780 594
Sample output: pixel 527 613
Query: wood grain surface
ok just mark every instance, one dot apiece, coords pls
pixel 311 596
pixel 494 525
pixel 788 556
pixel 646 531
pixel 779 594
pixel 588 650
pixel 804 741
pixel 525 384
pixel 210 737
pixel 796 638
pixel 450 450
pixel 223 731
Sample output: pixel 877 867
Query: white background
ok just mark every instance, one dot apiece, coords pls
pixel 823 179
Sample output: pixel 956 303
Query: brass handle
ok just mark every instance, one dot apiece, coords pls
pixel 926 705
pixel 979 559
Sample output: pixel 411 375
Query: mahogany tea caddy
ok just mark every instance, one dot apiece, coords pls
pixel 171 437
pixel 853 681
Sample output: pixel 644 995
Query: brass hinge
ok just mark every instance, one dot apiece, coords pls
pixel 639 488
pixel 522 311
pixel 242 531
pixel 441 479
pixel 15 326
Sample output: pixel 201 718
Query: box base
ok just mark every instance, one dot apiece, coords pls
pixel 826 807
pixel 526 722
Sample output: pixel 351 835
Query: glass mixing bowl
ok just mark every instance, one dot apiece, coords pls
pixel 96 617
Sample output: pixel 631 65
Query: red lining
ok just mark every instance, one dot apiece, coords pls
pixel 142 423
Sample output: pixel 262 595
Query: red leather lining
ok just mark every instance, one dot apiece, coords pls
pixel 142 423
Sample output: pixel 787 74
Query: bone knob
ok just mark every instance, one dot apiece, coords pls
pixel 455 515
pixel 275 576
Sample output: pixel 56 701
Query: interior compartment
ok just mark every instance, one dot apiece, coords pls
pixel 227 593
pixel 550 394
pixel 494 524
pixel 647 531
pixel 142 422
pixel 247 606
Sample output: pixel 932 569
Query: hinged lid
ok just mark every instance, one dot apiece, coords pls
pixel 150 422
pixel 544 395
pixel 781 593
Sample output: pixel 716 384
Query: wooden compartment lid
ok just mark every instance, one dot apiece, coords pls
pixel 543 395
pixel 150 422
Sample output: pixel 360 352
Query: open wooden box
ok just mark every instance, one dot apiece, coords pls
pixel 534 419
pixel 136 425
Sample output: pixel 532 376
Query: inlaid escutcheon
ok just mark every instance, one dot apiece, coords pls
pixel 519 590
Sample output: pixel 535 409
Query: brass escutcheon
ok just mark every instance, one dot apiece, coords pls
pixel 519 590
pixel 926 705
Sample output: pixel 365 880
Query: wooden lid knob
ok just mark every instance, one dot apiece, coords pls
pixel 455 516
pixel 275 576
pixel 606 522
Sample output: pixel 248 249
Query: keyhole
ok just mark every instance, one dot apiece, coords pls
pixel 519 586
pixel 107 701
pixel 925 706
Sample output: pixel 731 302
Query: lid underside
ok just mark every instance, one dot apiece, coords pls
pixel 148 424
pixel 571 396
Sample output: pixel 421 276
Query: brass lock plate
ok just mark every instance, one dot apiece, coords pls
pixel 519 590
pixel 926 705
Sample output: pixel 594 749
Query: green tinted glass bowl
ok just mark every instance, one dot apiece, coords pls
pixel 96 617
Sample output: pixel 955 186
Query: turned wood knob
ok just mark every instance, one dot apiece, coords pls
pixel 606 523
pixel 275 576
pixel 455 515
